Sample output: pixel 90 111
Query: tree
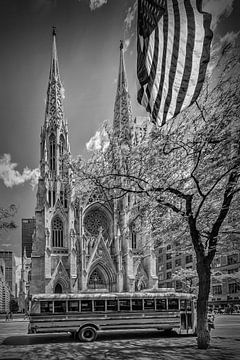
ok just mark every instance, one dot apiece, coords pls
pixel 184 177
pixel 6 215
pixel 188 278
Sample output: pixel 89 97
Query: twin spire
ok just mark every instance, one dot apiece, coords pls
pixel 54 104
pixel 122 121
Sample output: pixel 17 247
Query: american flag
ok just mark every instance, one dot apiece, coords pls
pixel 173 48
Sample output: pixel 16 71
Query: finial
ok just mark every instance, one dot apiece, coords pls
pixel 54 30
pixel 121 44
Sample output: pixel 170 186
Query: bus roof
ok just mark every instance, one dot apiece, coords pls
pixel 108 295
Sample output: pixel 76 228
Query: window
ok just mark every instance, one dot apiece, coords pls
pixel 182 305
pixel 57 232
pixel 161 304
pixel 137 304
pixel 233 288
pixel 160 250
pixel 169 247
pixel 169 275
pixel 99 305
pixel 124 305
pixel 86 305
pixel 59 306
pixel 63 197
pixel 46 307
pixel 189 259
pixel 173 304
pixel 61 153
pixel 160 276
pixel 52 197
pixel 149 304
pixel 178 285
pixel 112 305
pixel 232 271
pixel 232 259
pixel 73 306
pixel 169 265
pixel 52 152
pixel 134 240
pixel 178 262
pixel 168 256
pixel 217 289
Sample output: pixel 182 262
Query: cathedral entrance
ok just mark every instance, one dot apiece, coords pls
pixel 97 280
pixel 58 289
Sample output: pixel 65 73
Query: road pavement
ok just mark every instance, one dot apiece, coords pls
pixel 145 345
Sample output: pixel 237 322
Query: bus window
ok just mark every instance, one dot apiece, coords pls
pixel 137 304
pixel 99 305
pixel 182 305
pixel 173 304
pixel 149 304
pixel 112 305
pixel 161 304
pixel 86 305
pixel 73 306
pixel 124 304
pixel 59 306
pixel 46 307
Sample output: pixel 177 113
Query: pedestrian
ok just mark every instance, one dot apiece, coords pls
pixel 11 315
pixel 7 316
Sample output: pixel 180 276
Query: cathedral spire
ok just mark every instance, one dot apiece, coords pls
pixel 122 109
pixel 54 103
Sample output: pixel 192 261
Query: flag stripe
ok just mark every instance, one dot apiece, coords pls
pixel 159 65
pixel 153 68
pixel 176 58
pixel 181 58
pixel 205 51
pixel 189 55
pixel 158 99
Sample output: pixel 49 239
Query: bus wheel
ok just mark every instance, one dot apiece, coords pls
pixel 87 334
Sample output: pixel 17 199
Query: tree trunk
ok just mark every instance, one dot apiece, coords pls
pixel 204 275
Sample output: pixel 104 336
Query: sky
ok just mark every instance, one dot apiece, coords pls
pixel 88 38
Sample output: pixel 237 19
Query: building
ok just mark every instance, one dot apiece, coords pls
pixel 225 286
pixel 28 228
pixel 10 269
pixel 5 293
pixel 81 244
pixel 226 290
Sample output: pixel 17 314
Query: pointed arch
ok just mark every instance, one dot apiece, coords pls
pixel 52 152
pixel 97 279
pixel 105 276
pixel 58 289
pixel 57 231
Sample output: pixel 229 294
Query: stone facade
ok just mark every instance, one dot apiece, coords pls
pixel 79 244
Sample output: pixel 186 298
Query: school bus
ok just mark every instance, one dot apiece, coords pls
pixel 86 314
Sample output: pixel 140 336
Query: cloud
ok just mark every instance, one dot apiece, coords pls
pixel 130 25
pixel 224 43
pixel 131 16
pixel 94 4
pixel 98 142
pixel 12 177
pixel 218 8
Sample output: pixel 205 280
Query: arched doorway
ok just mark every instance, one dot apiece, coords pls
pixel 58 289
pixel 97 280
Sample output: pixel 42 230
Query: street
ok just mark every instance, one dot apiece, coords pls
pixel 17 344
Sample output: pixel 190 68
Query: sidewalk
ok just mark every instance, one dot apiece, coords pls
pixel 140 349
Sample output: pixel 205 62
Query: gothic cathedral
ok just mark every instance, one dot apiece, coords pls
pixel 78 243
